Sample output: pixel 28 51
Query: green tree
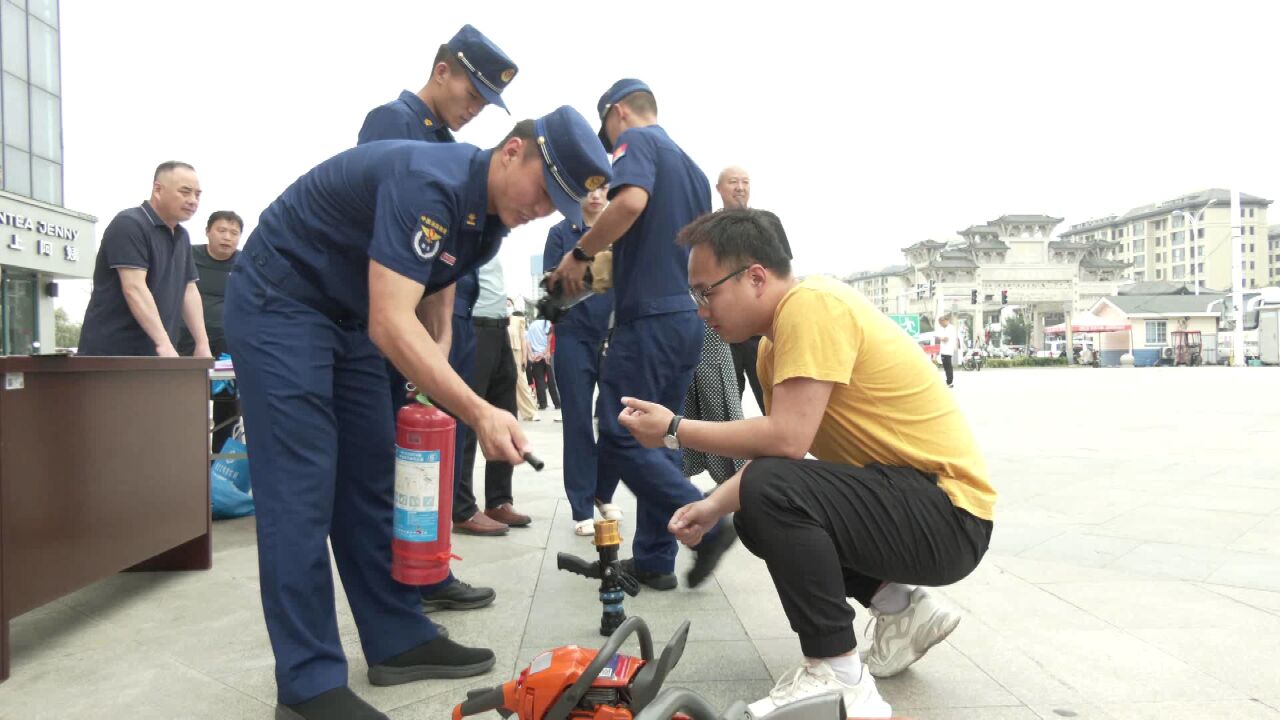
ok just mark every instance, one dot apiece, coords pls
pixel 68 333
pixel 1015 330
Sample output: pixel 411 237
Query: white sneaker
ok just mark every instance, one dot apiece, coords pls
pixel 861 700
pixel 903 638
pixel 609 511
pixel 585 527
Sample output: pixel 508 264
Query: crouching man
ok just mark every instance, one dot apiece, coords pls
pixel 898 496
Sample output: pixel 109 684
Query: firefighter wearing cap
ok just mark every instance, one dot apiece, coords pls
pixel 327 285
pixel 580 336
pixel 469 73
pixel 464 70
pixel 657 189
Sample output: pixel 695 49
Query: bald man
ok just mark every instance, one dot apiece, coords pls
pixel 144 281
pixel 734 186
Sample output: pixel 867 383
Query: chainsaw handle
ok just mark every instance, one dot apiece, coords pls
pixel 828 706
pixel 647 682
pixel 479 701
pixel 570 698
pixel 673 700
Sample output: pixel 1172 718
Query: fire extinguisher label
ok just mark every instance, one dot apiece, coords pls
pixel 417 517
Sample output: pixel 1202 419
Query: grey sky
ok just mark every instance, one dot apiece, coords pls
pixel 865 127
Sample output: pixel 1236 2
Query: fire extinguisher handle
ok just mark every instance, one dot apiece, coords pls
pixel 533 461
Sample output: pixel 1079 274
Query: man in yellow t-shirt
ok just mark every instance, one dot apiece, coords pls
pixel 898 496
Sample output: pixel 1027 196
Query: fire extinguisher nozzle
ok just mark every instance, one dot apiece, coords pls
pixel 534 461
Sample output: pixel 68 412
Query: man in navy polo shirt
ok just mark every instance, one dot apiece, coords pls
pixel 470 72
pixel 657 337
pixel 144 281
pixel 327 285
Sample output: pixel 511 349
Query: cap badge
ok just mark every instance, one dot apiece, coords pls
pixel 594 182
pixel 508 74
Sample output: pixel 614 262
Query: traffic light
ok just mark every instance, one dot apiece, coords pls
pixel 1004 297
pixel 973 297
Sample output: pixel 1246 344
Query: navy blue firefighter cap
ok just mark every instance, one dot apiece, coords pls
pixel 574 164
pixel 615 93
pixel 490 68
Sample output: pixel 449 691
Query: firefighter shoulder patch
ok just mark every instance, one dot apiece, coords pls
pixel 426 241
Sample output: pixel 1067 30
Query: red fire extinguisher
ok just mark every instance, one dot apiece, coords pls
pixel 420 547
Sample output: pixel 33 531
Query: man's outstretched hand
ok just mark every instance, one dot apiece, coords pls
pixel 693 521
pixel 647 421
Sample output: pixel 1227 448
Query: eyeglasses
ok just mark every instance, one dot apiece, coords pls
pixel 703 296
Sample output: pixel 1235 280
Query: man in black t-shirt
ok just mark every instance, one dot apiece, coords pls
pixel 213 263
pixel 144 281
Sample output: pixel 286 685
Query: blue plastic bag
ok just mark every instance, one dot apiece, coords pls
pixel 217 387
pixel 229 483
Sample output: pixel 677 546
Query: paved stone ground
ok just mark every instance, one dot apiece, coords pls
pixel 1134 573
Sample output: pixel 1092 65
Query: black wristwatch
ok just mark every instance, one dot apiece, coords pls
pixel 670 440
pixel 581 255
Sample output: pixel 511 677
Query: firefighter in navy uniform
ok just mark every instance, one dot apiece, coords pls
pixel 469 72
pixel 580 336
pixel 328 284
pixel 657 337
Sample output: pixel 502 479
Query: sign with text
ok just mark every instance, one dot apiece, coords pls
pixel 45 239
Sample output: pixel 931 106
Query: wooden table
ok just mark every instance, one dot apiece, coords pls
pixel 104 467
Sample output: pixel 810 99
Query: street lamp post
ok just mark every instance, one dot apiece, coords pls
pixel 1195 256
pixel 1237 281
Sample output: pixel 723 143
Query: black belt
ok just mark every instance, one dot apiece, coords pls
pixel 490 322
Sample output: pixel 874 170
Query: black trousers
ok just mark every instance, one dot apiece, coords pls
pixel 946 365
pixel 829 531
pixel 544 379
pixel 744 367
pixel 225 407
pixel 494 379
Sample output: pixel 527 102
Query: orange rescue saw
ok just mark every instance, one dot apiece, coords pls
pixel 574 683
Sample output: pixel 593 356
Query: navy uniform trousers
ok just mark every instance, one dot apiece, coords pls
pixel 317 414
pixel 651 358
pixel 577 368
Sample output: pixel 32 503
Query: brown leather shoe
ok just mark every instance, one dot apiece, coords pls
pixel 480 524
pixel 507 515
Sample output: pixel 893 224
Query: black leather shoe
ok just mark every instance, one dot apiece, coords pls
pixel 708 553
pixel 336 704
pixel 440 658
pixel 655 580
pixel 458 595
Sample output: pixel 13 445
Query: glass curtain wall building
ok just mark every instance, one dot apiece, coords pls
pixel 40 240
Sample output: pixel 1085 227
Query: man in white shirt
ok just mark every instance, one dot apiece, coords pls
pixel 538 337
pixel 947 341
